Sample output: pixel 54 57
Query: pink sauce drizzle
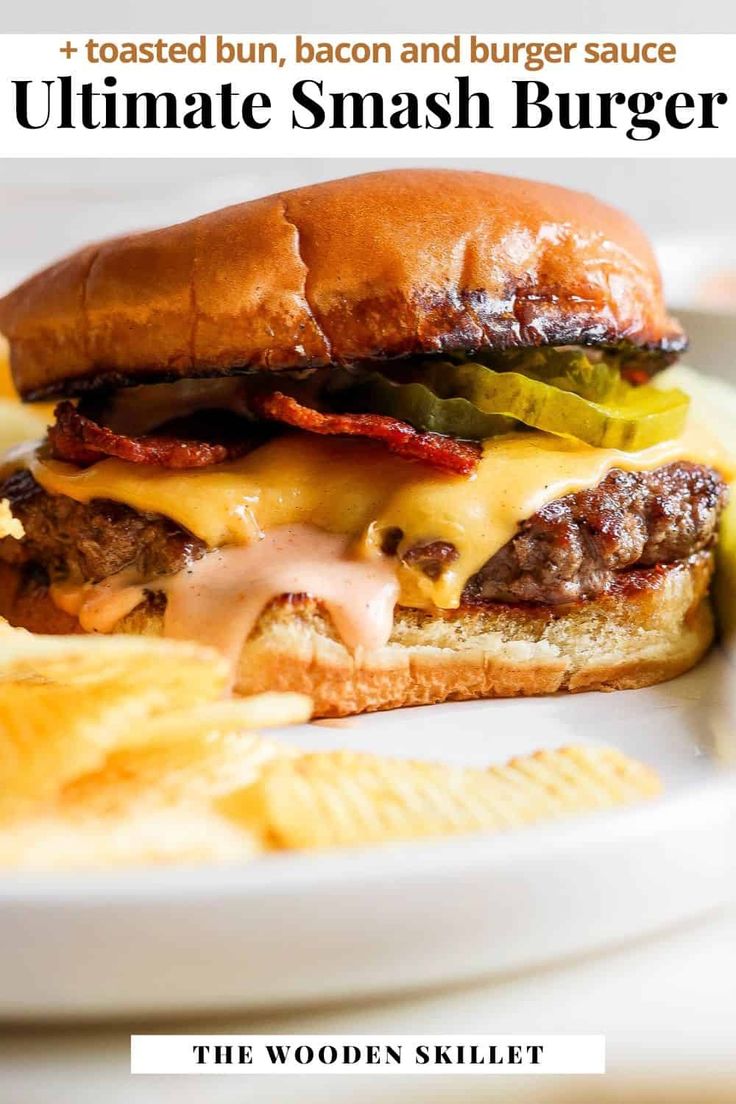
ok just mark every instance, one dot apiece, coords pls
pixel 218 600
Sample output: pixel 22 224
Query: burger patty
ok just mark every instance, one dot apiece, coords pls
pixel 568 551
pixel 572 548
pixel 92 540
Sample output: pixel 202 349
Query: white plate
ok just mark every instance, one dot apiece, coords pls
pixel 292 929
pixel 309 928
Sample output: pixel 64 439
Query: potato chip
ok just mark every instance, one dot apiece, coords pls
pixel 67 702
pixel 145 792
pixel 186 772
pixel 331 799
pixel 187 755
pixel 137 836
pixel 268 710
pixel 153 802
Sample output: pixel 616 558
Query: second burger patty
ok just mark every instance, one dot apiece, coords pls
pixel 569 550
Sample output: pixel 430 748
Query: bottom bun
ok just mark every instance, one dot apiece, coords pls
pixel 655 624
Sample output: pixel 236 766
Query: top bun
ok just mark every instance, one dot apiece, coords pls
pixel 380 265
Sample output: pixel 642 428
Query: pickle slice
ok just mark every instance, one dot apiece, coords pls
pixel 568 369
pixel 416 404
pixel 473 401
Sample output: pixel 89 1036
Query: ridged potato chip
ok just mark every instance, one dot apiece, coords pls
pixel 331 799
pixel 187 755
pixel 229 715
pixel 67 702
pixel 148 797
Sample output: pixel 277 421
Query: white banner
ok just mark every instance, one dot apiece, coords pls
pixel 361 1054
pixel 349 95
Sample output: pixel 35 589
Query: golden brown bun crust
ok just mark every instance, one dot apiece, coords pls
pixel 379 265
pixel 656 625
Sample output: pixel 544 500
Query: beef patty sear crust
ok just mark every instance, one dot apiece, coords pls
pixel 569 551
pixel 91 541
pixel 572 548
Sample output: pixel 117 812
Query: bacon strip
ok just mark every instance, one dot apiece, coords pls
pixel 434 448
pixel 77 438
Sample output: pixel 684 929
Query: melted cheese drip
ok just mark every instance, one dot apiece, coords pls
pixel 358 490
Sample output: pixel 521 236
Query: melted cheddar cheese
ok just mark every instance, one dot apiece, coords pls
pixel 359 490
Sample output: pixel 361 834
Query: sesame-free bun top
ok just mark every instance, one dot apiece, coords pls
pixel 380 265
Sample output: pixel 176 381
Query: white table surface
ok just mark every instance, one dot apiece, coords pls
pixel 667 1007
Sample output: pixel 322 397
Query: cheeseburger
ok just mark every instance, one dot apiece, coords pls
pixel 387 440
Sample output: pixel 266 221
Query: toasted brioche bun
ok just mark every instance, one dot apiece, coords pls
pixel 655 625
pixel 380 265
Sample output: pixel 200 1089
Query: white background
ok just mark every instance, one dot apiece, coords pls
pixel 674 16
pixel 703 65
